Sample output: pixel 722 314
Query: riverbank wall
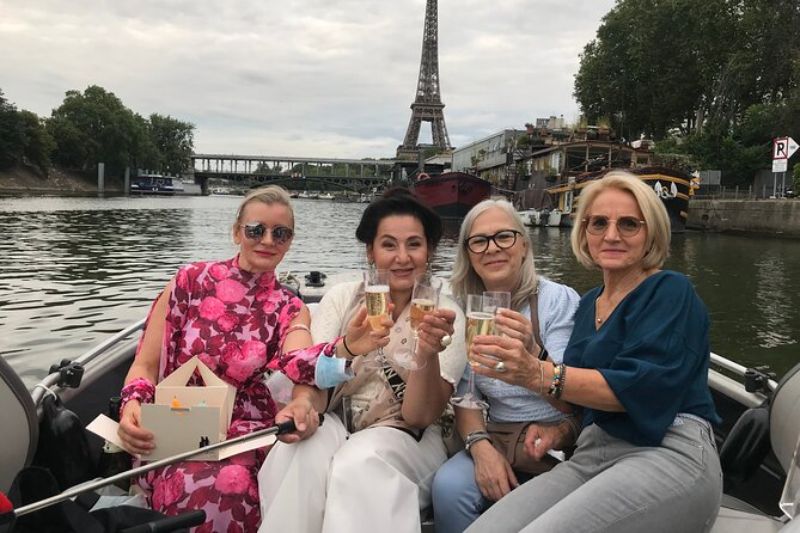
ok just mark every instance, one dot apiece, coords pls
pixel 775 217
pixel 26 181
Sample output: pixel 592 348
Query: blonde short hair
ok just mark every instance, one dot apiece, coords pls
pixel 271 194
pixel 655 216
pixel 466 281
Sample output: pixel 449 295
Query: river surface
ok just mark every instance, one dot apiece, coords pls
pixel 75 270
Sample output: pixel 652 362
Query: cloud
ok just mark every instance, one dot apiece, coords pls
pixel 300 77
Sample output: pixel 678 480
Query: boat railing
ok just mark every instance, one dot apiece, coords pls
pixel 51 380
pixel 737 369
pixel 732 388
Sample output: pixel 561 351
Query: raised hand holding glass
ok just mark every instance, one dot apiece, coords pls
pixel 424 300
pixel 376 289
pixel 479 322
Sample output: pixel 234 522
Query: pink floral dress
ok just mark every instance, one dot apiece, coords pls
pixel 234 321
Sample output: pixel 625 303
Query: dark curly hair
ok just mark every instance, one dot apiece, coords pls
pixel 399 201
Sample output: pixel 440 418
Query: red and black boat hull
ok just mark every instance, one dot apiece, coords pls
pixel 452 194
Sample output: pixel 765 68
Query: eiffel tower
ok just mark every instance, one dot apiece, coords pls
pixel 427 106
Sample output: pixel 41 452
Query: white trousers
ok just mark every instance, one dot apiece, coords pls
pixel 377 479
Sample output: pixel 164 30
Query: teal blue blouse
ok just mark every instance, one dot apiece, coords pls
pixel 653 351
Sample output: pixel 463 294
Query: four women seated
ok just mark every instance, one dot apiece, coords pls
pixel 619 376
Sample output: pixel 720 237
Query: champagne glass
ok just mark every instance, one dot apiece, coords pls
pixel 479 322
pixel 424 300
pixel 493 301
pixel 376 288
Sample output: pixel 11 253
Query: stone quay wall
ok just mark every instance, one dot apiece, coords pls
pixel 779 216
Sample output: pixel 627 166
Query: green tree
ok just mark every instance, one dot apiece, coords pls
pixel 23 138
pixel 37 143
pixel 93 127
pixel 11 145
pixel 174 141
pixel 715 81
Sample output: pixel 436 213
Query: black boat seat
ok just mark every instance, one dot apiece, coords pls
pixel 19 413
pixel 784 431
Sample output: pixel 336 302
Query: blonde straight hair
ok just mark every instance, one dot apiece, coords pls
pixel 271 194
pixel 466 281
pixel 653 211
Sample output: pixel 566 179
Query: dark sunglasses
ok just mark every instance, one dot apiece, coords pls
pixel 256 230
pixel 503 239
pixel 626 226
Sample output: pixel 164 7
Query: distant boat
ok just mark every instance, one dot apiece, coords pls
pixel 325 196
pixel 155 184
pixel 451 194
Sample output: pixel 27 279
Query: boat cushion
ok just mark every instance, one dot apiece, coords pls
pixel 737 521
pixel 17 412
pixel 783 420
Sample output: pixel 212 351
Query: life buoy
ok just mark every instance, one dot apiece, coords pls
pixel 422 176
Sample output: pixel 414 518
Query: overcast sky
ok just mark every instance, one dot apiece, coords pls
pixel 329 78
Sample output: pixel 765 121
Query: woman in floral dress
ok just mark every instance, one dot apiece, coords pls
pixel 238 320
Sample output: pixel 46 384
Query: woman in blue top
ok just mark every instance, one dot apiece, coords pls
pixel 496 254
pixel 637 363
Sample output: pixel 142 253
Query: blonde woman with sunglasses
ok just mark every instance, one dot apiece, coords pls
pixel 239 321
pixel 637 366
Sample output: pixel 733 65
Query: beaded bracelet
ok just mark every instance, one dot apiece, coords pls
pixel 557 385
pixel 140 389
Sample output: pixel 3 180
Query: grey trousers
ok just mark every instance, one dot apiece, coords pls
pixel 611 485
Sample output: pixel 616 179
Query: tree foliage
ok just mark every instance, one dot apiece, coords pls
pixel 721 76
pixel 90 127
pixel 23 138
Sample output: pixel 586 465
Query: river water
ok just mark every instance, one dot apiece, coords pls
pixel 75 270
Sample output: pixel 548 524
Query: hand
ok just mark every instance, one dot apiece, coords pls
pixel 493 473
pixel 135 439
pixel 541 438
pixel 306 419
pixel 515 325
pixel 433 328
pixel 521 367
pixel 361 338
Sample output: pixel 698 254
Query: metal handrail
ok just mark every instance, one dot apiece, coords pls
pixel 111 341
pixel 736 368
pixel 41 388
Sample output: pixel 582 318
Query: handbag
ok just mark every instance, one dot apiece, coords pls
pixel 508 438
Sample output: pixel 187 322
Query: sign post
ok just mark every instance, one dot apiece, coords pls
pixel 782 150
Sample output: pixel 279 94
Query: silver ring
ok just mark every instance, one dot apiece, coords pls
pixel 500 367
pixel 446 341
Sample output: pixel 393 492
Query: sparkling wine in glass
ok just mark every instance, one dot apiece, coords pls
pixel 424 300
pixel 493 301
pixel 376 288
pixel 479 322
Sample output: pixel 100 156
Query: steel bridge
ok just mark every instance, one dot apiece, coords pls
pixel 295 173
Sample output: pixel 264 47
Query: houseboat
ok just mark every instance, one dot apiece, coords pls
pixel 672 186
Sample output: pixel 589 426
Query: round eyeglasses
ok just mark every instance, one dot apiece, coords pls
pixel 503 239
pixel 626 226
